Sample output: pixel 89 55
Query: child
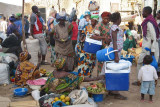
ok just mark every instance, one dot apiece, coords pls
pixel 148 76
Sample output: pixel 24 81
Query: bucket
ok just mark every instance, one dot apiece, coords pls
pixel 105 54
pixel 128 59
pixel 98 97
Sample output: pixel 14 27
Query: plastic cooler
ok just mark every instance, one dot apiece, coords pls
pixel 117 80
pixel 92 46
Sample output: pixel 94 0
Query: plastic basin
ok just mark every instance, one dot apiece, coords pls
pixel 20 91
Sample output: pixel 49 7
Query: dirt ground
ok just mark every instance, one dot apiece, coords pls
pixel 133 94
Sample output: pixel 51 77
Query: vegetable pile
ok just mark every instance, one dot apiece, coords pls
pixel 96 88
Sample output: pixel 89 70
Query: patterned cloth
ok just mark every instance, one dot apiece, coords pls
pixel 119 38
pixel 25 70
pixel 86 61
pixel 53 54
pixel 102 30
pixel 64 84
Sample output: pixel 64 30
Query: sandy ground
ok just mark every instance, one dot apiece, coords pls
pixel 133 94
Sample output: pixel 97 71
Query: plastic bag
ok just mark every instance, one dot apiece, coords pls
pixel 154 62
pixel 119 66
pixel 4 74
pixel 36 95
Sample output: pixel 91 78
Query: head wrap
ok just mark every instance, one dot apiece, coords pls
pixel 61 15
pixel 18 15
pixel 60 63
pixel 105 14
pixel 23 56
pixel 12 18
pixel 128 32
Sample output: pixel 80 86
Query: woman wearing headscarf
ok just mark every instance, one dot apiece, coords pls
pixel 129 42
pixel 86 61
pixel 25 70
pixel 62 34
pixel 50 24
pixel 101 32
pixel 60 81
pixel 11 26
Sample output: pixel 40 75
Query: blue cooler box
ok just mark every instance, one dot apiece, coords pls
pixel 117 80
pixel 92 46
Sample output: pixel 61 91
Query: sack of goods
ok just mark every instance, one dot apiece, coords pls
pixel 117 75
pixel 105 54
pixel 95 14
pixel 93 6
pixel 4 74
pixel 92 46
pixel 33 48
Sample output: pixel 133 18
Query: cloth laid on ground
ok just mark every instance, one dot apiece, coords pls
pixel 64 84
pixel 36 82
pixel 119 66
pixel 25 70
pixel 81 97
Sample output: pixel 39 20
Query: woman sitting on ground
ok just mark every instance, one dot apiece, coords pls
pixel 25 70
pixel 60 81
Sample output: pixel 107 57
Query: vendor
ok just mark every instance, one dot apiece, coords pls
pixel 129 42
pixel 25 70
pixel 60 81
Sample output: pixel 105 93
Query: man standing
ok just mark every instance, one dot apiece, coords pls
pixel 36 31
pixel 150 36
pixel 3 25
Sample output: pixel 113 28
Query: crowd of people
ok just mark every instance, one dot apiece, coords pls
pixel 67 36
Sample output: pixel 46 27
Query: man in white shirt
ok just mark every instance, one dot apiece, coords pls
pixel 3 25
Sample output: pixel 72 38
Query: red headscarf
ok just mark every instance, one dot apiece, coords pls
pixel 105 14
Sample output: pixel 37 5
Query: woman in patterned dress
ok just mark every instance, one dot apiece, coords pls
pixel 101 32
pixel 86 61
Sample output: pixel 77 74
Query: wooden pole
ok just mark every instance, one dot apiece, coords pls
pixel 23 31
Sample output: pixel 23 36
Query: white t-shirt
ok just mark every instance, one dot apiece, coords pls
pixel 3 26
pixel 147 73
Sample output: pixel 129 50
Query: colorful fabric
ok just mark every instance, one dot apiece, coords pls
pixel 53 54
pixel 65 84
pixel 60 63
pixel 102 30
pixel 36 82
pixel 128 32
pixel 69 61
pixel 74 31
pixel 25 70
pixel 129 44
pixel 105 14
pixel 119 37
pixel 150 19
pixel 23 56
pixel 86 61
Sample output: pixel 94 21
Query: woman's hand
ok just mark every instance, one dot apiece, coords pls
pixel 116 59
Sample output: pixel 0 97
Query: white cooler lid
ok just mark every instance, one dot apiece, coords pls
pixel 93 41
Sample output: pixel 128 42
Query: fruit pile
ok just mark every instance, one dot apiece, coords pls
pixel 62 98
pixel 96 88
pixel 43 71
